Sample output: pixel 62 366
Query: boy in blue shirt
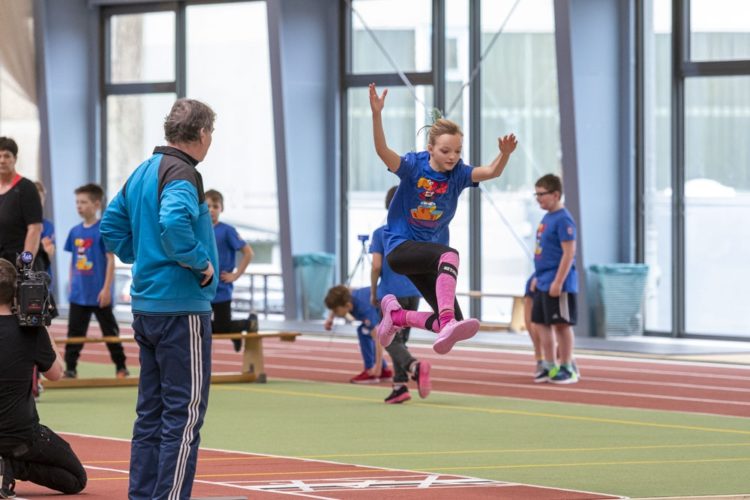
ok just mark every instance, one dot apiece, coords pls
pixel 343 301
pixel 92 274
pixel 228 243
pixel 555 282
pixel 384 281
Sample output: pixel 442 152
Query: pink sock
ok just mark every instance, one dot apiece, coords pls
pixel 445 286
pixel 398 317
pixel 415 319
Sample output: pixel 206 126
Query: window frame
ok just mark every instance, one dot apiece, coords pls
pixel 683 68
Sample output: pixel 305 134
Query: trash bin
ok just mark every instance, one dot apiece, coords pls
pixel 314 275
pixel 618 298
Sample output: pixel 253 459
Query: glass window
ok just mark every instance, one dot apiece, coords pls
pixel 719 30
pixel 523 60
pixel 142 47
pixel 228 68
pixel 19 119
pixel 135 125
pixel 406 37
pixel 369 179
pixel 657 164
pixel 717 204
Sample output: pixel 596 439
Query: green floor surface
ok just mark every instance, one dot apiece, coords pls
pixel 634 453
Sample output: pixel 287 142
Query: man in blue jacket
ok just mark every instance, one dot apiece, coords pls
pixel 159 222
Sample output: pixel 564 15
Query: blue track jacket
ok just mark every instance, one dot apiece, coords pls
pixel 160 223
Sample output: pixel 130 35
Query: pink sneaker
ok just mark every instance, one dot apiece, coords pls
pixel 423 379
pixel 453 332
pixel 386 329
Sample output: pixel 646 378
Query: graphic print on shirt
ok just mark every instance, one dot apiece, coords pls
pixel 539 232
pixel 429 191
pixel 83 264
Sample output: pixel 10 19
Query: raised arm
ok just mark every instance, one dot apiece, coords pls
pixel 391 159
pixel 507 145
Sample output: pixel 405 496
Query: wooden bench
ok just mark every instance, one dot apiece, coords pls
pixel 253 367
pixel 516 324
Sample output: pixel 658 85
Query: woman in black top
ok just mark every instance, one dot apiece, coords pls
pixel 20 206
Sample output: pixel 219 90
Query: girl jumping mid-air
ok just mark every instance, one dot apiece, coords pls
pixel 416 236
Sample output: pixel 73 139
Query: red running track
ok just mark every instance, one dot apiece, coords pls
pixel 258 477
pixel 625 382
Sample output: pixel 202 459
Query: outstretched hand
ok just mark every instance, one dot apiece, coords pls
pixel 377 103
pixel 507 144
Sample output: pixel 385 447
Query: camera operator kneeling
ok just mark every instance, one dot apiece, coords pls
pixel 29 450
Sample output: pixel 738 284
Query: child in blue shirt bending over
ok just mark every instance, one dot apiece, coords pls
pixel 343 301
pixel 555 282
pixel 416 236
pixel 384 281
pixel 92 272
pixel 228 243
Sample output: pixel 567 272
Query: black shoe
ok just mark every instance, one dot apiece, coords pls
pixel 9 491
pixel 398 396
pixel 70 374
pixel 252 323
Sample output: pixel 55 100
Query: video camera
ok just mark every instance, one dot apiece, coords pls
pixel 33 305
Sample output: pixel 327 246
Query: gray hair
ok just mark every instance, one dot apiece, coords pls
pixel 185 121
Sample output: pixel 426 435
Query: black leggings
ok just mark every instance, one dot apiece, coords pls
pixel 48 461
pixel 418 261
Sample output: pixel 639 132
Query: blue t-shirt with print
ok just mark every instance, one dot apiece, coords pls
pixel 362 309
pixel 425 201
pixel 555 228
pixel 390 281
pixel 228 243
pixel 88 268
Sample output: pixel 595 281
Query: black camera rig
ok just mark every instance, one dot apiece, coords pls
pixel 33 305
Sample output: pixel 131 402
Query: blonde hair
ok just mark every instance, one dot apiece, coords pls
pixel 442 126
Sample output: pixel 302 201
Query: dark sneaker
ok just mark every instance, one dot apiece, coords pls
pixel 564 376
pixel 252 323
pixel 398 396
pixel 8 491
pixel 8 486
pixel 70 374
pixel 237 344
pixel 422 377
pixel 541 376
pixel 386 373
pixel 122 373
pixel 365 378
